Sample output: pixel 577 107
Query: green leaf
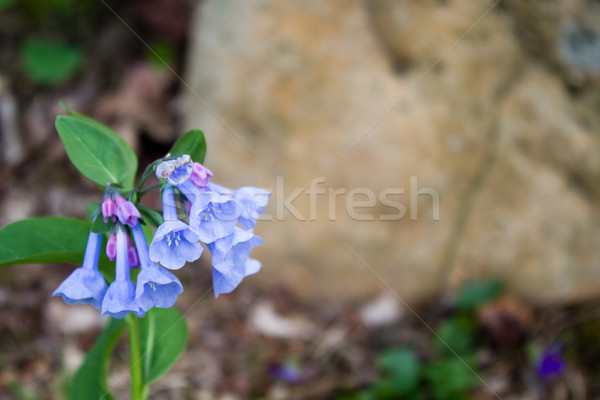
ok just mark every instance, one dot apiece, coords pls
pixel 98 224
pixel 89 382
pixel 474 295
pixel 5 4
pixel 150 215
pixel 20 392
pixel 457 334
pixel 191 143
pixel 161 53
pixel 129 157
pixel 96 153
pixel 402 366
pixel 50 62
pixel 43 240
pixel 451 379
pixel 163 337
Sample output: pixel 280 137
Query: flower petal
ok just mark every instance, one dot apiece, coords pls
pixel 84 285
pixel 120 300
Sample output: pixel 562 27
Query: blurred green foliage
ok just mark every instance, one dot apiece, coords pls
pixel 475 295
pixel 50 62
pixel 6 3
pixel 452 373
pixel 21 393
pixel 162 53
pixel 51 35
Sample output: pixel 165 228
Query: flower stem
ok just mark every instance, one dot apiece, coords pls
pixel 138 389
pixel 148 172
pixel 151 188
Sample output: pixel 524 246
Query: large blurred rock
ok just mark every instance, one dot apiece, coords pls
pixel 563 34
pixel 353 92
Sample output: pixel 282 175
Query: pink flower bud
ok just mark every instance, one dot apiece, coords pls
pixel 200 175
pixel 126 211
pixel 109 210
pixel 134 261
pixel 111 247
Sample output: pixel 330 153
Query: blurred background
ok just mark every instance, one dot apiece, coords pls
pixel 433 231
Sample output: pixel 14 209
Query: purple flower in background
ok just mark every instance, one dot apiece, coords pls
pixel 174 242
pixel 111 247
pixel 86 284
pixel 291 372
pixel 126 211
pixel 200 175
pixel 551 364
pixel 231 260
pixel 175 171
pixel 119 299
pixel 109 210
pixel 213 216
pixel 155 285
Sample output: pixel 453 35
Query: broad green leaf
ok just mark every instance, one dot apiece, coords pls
pixel 403 369
pixel 89 382
pixel 148 232
pixel 163 337
pixel 50 62
pixel 191 143
pixel 98 224
pixel 129 157
pixel 90 209
pixel 48 240
pixel 43 240
pixel 152 216
pixel 474 295
pixel 95 152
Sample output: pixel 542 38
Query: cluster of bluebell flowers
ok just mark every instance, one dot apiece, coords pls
pixel 221 218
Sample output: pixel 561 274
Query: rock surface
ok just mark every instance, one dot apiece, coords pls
pixel 432 97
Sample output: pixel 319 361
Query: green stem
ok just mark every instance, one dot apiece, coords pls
pixel 151 188
pixel 148 172
pixel 138 389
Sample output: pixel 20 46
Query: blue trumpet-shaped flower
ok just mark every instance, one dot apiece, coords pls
pixel 231 260
pixel 86 284
pixel 174 242
pixel 155 285
pixel 190 190
pixel 120 299
pixel 227 282
pixel 213 216
pixel 252 202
